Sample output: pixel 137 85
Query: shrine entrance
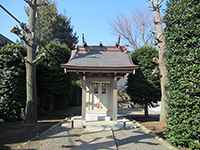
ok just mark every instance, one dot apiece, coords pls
pixel 99 100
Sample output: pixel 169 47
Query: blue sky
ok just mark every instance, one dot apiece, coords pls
pixel 92 17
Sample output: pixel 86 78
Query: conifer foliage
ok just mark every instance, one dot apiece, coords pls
pixel 183 56
pixel 53 85
pixel 143 86
pixel 52 26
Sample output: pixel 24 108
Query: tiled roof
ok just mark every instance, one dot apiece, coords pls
pixel 4 40
pixel 100 57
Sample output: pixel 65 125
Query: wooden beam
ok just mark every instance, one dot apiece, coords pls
pixel 83 109
pixel 114 103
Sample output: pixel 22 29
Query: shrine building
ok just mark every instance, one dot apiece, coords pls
pixel 99 68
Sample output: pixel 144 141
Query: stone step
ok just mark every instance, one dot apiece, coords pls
pixel 97 117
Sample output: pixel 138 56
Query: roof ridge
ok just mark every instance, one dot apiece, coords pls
pixel 111 48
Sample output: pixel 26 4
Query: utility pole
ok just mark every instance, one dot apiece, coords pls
pixel 27 34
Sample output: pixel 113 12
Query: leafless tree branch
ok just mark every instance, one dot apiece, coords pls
pixel 29 2
pixel 40 3
pixel 156 4
pixel 135 30
pixel 123 27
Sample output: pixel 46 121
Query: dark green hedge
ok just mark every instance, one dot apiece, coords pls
pixel 12 82
pixel 183 57
pixel 53 85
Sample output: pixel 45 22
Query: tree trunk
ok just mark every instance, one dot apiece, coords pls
pixel 146 111
pixel 162 64
pixel 31 102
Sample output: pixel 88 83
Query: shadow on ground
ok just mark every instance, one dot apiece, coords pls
pixel 143 118
pixel 62 114
pixel 99 139
pixel 18 132
pixel 136 137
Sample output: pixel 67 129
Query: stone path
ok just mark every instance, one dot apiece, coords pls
pixel 95 137
pixel 135 139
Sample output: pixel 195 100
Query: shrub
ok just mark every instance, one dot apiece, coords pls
pixel 183 57
pixel 52 83
pixel 12 82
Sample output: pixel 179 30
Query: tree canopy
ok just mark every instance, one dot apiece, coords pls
pixel 183 57
pixel 52 83
pixel 56 39
pixel 52 26
pixel 143 86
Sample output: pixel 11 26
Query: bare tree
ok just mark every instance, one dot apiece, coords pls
pixel 27 34
pixel 134 29
pixel 31 59
pixel 31 103
pixel 160 41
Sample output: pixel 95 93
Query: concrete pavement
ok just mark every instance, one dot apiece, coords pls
pixel 95 137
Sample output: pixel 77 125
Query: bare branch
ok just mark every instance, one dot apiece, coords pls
pixel 29 2
pixel 156 4
pixel 123 27
pixel 38 58
pixel 40 4
pixel 135 30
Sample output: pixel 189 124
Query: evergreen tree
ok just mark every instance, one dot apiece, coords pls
pixel 183 45
pixel 52 26
pixel 53 83
pixel 46 18
pixel 56 29
pixel 143 86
